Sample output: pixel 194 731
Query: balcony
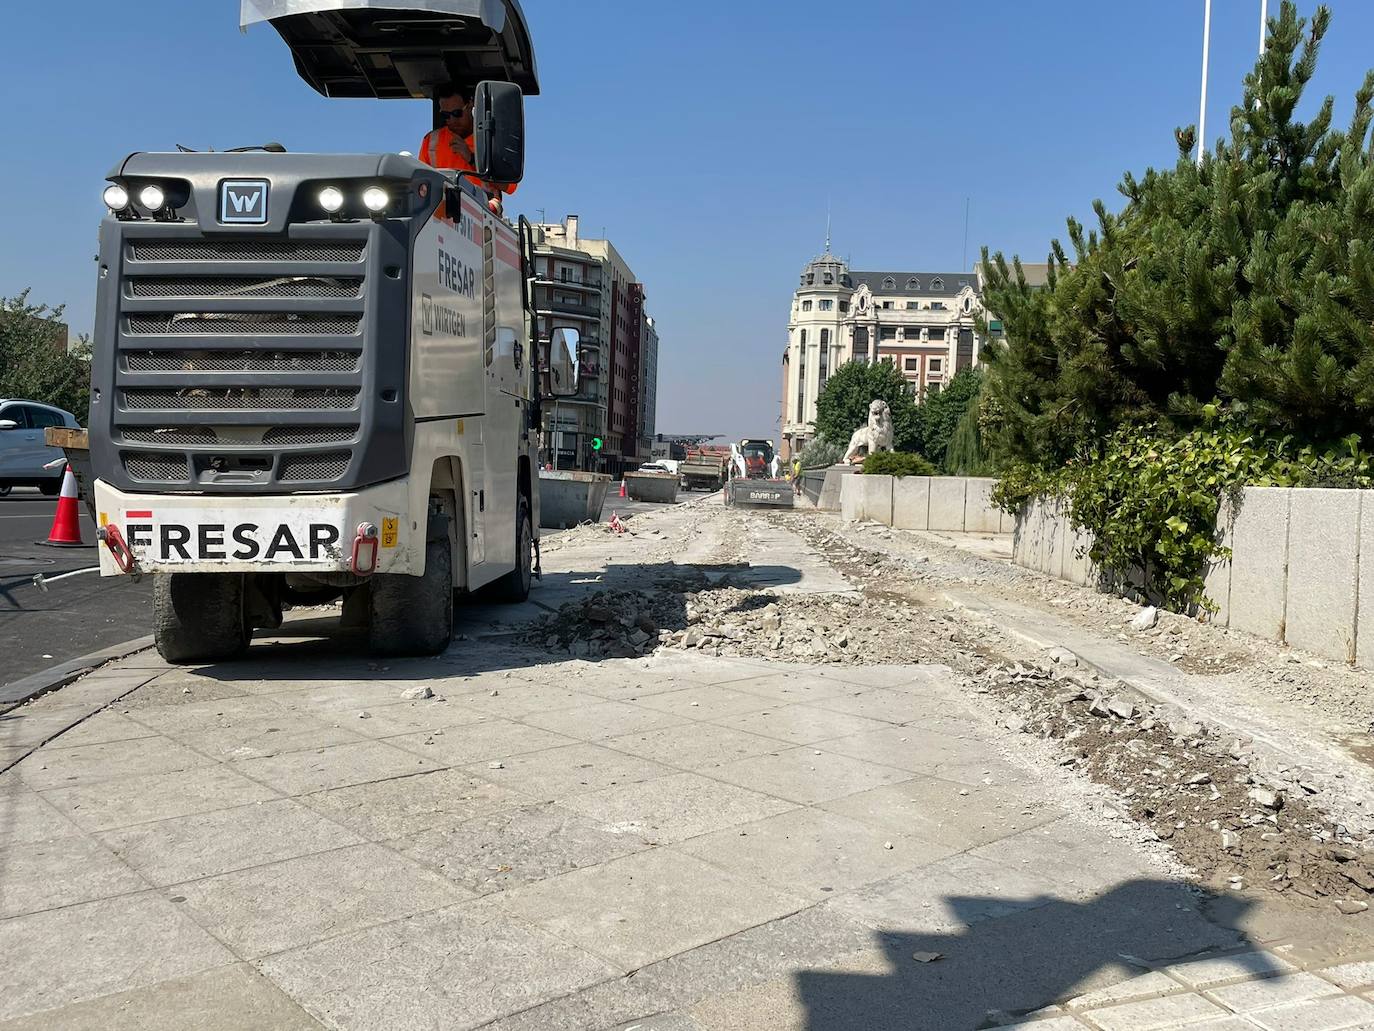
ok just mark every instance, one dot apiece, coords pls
pixel 549 307
pixel 592 283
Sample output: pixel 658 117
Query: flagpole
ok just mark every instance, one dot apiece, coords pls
pixel 1264 21
pixel 1202 107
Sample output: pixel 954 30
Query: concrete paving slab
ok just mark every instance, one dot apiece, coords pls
pixel 258 739
pixel 1213 971
pixel 188 847
pixel 1267 992
pixel 101 727
pixel 514 699
pixel 1146 986
pixel 980 516
pixel 706 702
pixel 557 773
pixel 911 502
pixel 198 717
pixel 110 804
pixel 947 496
pixel 799 724
pixel 1259 565
pixel 1345 1013
pixel 456 969
pixel 179 687
pixel 908 748
pixel 31 725
pixel 1075 868
pixel 601 720
pixel 645 907
pixel 635 685
pixel 69 955
pixel 1349 975
pixel 812 853
pixel 336 766
pixel 694 746
pixel 800 775
pixel 675 808
pixel 55 767
pixel 439 713
pixel 494 739
pixel 1167 1012
pixel 791 687
pixel 27 817
pixel 876 704
pixel 299 901
pixel 394 808
pixel 330 703
pixel 232 998
pixel 925 678
pixel 60 872
pixel 935 810
pixel 519 845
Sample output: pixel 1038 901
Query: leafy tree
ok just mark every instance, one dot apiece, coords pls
pixel 842 405
pixel 939 414
pixel 1244 285
pixel 820 451
pixel 32 366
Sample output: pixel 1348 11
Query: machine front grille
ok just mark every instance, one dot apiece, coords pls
pixel 203 323
pixel 155 468
pixel 246 286
pixel 308 434
pixel 247 250
pixel 274 399
pixel 314 467
pixel 242 361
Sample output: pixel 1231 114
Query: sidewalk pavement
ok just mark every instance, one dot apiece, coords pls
pixel 553 844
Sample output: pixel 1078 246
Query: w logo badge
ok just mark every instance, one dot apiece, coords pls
pixel 243 201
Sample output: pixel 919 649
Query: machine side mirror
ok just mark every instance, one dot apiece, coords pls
pixel 565 366
pixel 8 424
pixel 498 119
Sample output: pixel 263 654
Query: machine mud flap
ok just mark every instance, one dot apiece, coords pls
pixel 766 493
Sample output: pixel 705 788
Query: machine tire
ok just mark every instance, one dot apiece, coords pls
pixel 413 615
pixel 199 617
pixel 5 490
pixel 514 587
pixel 51 488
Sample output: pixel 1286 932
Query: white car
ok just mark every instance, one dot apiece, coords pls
pixel 23 453
pixel 663 465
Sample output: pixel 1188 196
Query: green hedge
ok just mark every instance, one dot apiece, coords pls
pixel 897 463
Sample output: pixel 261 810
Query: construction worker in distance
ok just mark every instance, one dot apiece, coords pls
pixel 451 145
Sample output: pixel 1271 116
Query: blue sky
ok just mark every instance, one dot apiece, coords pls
pixel 706 141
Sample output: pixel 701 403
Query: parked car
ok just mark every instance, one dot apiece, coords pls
pixel 23 454
pixel 662 465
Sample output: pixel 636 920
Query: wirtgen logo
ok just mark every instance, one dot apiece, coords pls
pixel 243 201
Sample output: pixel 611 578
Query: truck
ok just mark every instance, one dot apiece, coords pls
pixel 318 376
pixel 704 470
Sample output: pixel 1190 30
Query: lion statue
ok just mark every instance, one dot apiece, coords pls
pixel 875 437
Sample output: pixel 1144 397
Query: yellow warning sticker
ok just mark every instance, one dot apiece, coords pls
pixel 388 533
pixel 104 519
pixel 458 427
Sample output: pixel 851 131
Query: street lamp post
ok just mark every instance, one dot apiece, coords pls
pixel 1202 108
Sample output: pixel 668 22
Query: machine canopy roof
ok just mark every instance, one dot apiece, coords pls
pixel 400 48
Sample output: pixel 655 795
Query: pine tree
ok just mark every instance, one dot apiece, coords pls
pixel 1247 280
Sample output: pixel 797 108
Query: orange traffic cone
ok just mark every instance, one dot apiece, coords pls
pixel 622 486
pixel 66 523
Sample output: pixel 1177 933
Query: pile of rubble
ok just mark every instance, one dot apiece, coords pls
pixel 1203 793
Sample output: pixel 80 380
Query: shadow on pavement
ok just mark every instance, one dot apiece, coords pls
pixel 1019 955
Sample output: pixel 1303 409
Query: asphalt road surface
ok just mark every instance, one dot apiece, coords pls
pixel 78 615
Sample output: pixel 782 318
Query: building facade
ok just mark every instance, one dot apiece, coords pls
pixel 925 323
pixel 586 285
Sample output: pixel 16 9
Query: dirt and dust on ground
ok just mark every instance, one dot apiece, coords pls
pixel 1197 789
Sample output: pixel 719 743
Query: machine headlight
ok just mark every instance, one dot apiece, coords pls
pixel 116 197
pixel 331 198
pixel 152 198
pixel 375 198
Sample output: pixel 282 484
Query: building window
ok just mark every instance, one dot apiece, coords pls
pixel 827 305
pixel 803 338
pixel 937 283
pixel 936 365
pixel 913 305
pixel 801 392
pixel 825 338
pixel 913 364
pixel 913 283
pixel 811 279
pixel 887 304
pixel 889 283
pixel 937 333
pixel 932 389
pixel 968 303
pixel 806 305
pixel 937 305
pixel 887 333
pixel 828 279
pixel 844 306
pixel 995 326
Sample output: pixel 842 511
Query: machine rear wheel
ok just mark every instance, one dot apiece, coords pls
pixel 413 615
pixel 514 587
pixel 199 617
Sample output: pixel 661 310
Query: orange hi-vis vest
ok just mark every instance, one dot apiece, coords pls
pixel 438 151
